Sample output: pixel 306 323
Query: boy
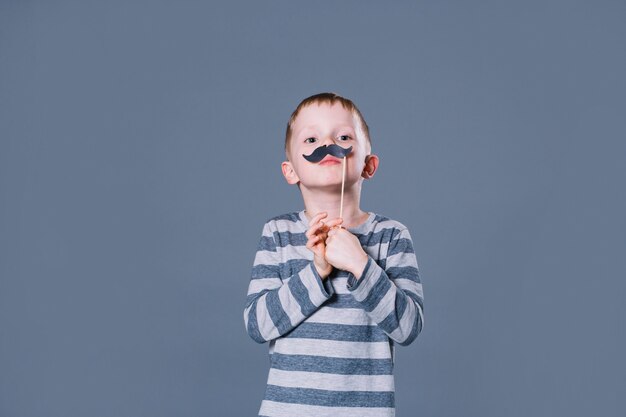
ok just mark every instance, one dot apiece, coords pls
pixel 332 295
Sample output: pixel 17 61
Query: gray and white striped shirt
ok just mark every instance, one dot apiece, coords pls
pixel 332 341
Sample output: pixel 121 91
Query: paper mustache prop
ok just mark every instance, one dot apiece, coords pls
pixel 337 151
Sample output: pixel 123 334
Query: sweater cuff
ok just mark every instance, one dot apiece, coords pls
pixel 353 283
pixel 373 285
pixel 320 289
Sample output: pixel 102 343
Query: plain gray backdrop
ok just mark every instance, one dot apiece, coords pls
pixel 140 150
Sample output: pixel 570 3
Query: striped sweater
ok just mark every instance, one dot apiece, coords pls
pixel 331 342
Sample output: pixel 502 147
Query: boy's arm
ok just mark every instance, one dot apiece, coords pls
pixel 274 307
pixel 393 296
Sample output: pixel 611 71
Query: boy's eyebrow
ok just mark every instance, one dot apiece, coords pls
pixel 316 128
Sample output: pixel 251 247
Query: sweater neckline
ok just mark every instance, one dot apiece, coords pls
pixel 357 229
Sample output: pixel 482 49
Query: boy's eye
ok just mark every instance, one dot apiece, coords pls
pixel 344 137
pixel 310 140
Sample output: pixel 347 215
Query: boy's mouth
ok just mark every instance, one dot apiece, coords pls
pixel 330 160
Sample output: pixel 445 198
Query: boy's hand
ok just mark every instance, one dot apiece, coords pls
pixel 316 235
pixel 344 251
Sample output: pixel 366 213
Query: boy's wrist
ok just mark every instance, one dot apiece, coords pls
pixel 322 272
pixel 359 265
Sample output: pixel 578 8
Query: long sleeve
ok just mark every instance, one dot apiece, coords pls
pixel 393 296
pixel 275 305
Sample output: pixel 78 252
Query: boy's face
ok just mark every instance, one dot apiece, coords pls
pixel 323 124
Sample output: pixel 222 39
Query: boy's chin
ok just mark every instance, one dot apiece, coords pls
pixel 330 186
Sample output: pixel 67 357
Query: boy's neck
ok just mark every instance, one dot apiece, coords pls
pixel 316 201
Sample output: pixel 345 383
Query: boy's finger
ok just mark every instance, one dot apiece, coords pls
pixel 318 239
pixel 313 229
pixel 318 217
pixel 312 241
pixel 334 231
pixel 334 222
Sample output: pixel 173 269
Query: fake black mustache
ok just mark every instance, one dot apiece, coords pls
pixel 335 150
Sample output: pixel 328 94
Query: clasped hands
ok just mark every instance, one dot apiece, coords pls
pixel 334 246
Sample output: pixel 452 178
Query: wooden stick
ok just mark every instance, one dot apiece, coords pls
pixel 343 180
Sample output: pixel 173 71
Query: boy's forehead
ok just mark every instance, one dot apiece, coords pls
pixel 316 114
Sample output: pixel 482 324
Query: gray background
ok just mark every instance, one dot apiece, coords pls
pixel 140 156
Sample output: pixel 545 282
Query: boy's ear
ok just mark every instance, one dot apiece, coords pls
pixel 289 173
pixel 371 165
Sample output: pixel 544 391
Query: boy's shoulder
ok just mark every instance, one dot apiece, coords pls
pixel 384 229
pixel 387 223
pixel 287 222
pixel 293 217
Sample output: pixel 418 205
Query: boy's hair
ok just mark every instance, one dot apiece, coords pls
pixel 325 98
